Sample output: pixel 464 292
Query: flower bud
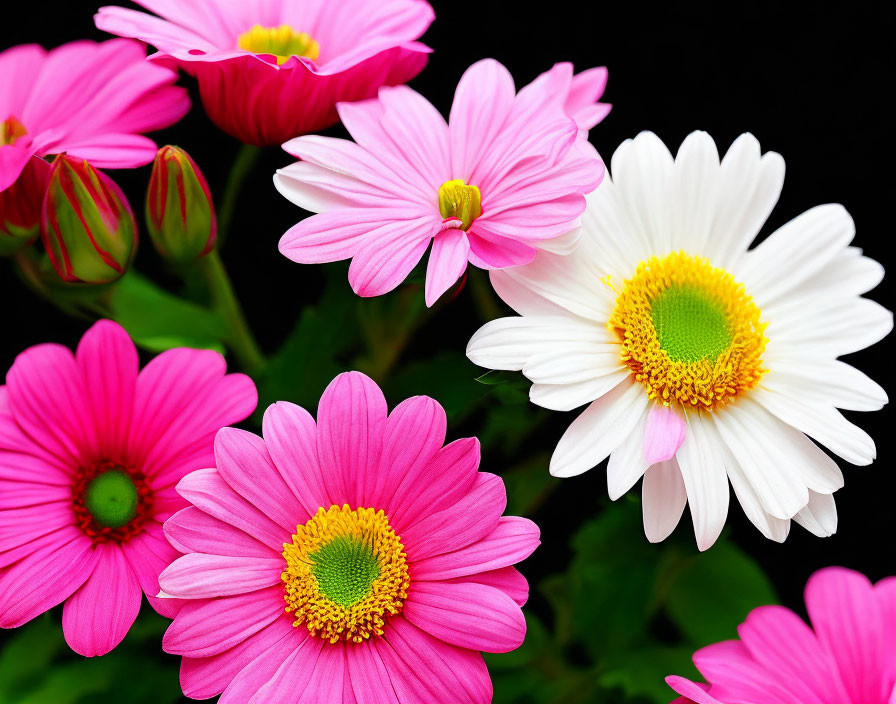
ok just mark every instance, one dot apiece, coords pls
pixel 20 206
pixel 180 215
pixel 87 226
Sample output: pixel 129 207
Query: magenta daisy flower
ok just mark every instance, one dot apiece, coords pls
pixel 847 657
pixel 85 99
pixel 506 176
pixel 270 70
pixel 90 452
pixel 354 559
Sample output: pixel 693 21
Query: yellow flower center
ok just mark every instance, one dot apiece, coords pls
pixel 346 572
pixel 11 130
pixel 689 332
pixel 458 200
pixel 283 42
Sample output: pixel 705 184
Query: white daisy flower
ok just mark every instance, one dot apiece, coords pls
pixel 704 362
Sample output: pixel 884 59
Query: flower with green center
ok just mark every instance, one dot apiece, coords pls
pixel 701 361
pixel 111 498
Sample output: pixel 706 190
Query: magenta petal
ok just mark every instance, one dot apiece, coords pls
pixel 198 576
pixel 447 262
pixel 389 256
pixel 508 579
pixel 97 617
pixel 697 693
pixel 512 541
pixel 209 627
pixel 351 417
pixel 148 554
pixel 368 677
pixel 424 670
pixel 313 674
pixel 466 614
pixel 252 678
pixel 192 530
pixel 663 434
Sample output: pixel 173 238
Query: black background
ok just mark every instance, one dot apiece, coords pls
pixel 810 80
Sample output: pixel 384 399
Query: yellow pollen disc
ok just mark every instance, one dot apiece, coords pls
pixel 283 42
pixel 11 130
pixel 458 200
pixel 689 332
pixel 346 573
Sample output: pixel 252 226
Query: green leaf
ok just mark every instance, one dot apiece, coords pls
pixel 642 672
pixel 158 320
pixel 713 595
pixel 445 377
pixel 27 655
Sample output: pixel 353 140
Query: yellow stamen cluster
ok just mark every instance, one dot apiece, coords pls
pixel 458 200
pixel 11 130
pixel 689 332
pixel 283 42
pixel 346 573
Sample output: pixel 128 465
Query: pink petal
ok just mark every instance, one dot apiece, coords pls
pixel 414 432
pixel 27 460
pixel 20 525
pixel 291 437
pixel 447 262
pixel 696 693
pixel 468 615
pixel 198 576
pixel 203 678
pixel 491 251
pixel 507 579
pixel 207 490
pixel 351 418
pixel 368 677
pixel 424 670
pixel 13 159
pixel 243 460
pixel 108 361
pixel 209 627
pixel 435 485
pixel 848 622
pixel 313 674
pixel 586 89
pixel 470 519
pixel 193 530
pixel 252 678
pixel 25 591
pixel 735 676
pixel 512 541
pixel 663 434
pixel 24 494
pixel 148 554
pixel 392 251
pixel 97 617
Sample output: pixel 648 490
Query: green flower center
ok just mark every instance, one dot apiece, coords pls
pixel 690 325
pixel 111 498
pixel 345 569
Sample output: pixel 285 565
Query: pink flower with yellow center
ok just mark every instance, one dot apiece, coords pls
pixel 270 70
pixel 90 453
pixel 351 559
pixel 506 176
pixel 848 656
pixel 85 99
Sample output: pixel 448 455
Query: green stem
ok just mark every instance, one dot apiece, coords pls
pixel 28 267
pixel 240 339
pixel 242 165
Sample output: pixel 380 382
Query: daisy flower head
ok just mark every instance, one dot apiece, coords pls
pixel 848 656
pixel 504 177
pixel 90 452
pixel 703 361
pixel 270 70
pixel 86 99
pixel 351 558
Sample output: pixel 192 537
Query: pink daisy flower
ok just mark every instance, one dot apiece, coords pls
pixel 90 452
pixel 847 657
pixel 86 99
pixel 269 70
pixel 354 559
pixel 506 176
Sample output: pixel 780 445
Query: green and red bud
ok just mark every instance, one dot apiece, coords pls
pixel 20 207
pixel 87 225
pixel 180 215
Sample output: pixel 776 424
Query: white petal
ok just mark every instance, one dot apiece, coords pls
pixel 571 365
pixel 627 462
pixel 696 192
pixel 521 298
pixel 824 423
pixel 820 516
pixel 663 498
pixel 563 245
pixel 599 430
pixel 825 381
pixel 605 239
pixel 705 480
pixel 566 397
pixel 771 527
pixel 757 441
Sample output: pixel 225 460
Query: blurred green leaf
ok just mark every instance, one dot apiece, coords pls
pixel 643 673
pixel 446 377
pixel 158 320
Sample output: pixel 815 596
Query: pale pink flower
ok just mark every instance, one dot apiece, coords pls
pixel 847 657
pixel 354 559
pixel 85 99
pixel 270 70
pixel 90 452
pixel 506 176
